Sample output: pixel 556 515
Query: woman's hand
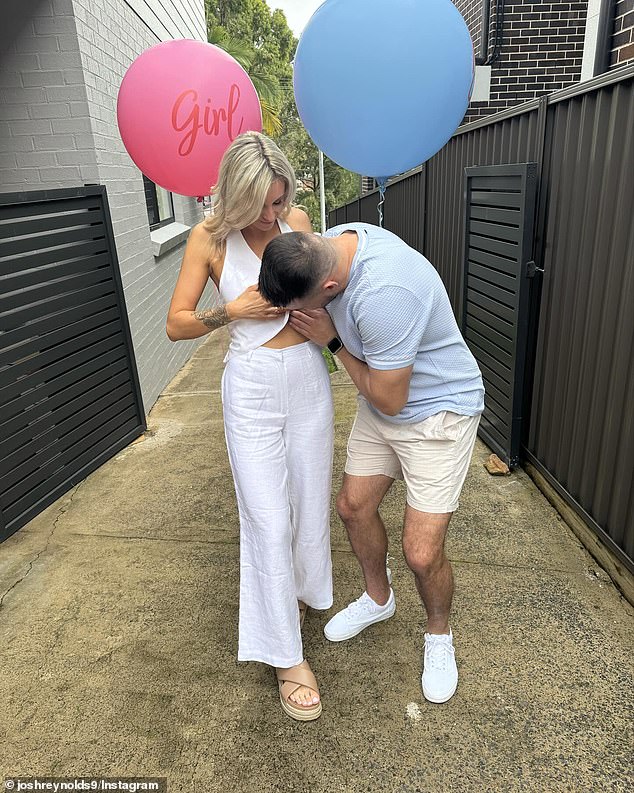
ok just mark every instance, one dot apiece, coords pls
pixel 251 305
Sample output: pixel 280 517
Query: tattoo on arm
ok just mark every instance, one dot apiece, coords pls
pixel 213 318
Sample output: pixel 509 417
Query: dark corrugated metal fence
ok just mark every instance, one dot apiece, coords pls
pixel 69 390
pixel 582 426
pixel 579 378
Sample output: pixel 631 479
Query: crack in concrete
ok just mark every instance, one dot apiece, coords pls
pixel 149 538
pixel 480 562
pixel 167 395
pixel 504 566
pixel 63 511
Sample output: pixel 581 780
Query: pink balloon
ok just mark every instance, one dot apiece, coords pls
pixel 180 105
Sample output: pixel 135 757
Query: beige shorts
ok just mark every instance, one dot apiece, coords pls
pixel 432 456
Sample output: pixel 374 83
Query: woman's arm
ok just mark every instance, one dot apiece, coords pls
pixel 184 321
pixel 192 280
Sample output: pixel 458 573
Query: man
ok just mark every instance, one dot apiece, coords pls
pixel 420 399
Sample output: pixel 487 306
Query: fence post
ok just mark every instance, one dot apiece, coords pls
pixel 422 213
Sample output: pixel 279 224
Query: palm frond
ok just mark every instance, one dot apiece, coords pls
pixel 271 121
pixel 216 34
pixel 267 86
pixel 237 49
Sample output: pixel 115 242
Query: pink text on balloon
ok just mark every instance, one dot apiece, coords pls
pixel 212 118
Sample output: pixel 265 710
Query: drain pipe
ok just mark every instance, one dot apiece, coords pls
pixel 604 38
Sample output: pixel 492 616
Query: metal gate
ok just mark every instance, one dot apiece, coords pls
pixel 500 210
pixel 69 389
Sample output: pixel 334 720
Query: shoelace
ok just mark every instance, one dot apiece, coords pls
pixel 437 653
pixel 361 606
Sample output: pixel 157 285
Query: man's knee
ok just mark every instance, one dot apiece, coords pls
pixel 350 506
pixel 423 558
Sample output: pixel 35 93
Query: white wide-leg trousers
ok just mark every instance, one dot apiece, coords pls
pixel 278 417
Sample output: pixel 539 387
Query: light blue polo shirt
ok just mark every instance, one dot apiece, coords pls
pixel 395 312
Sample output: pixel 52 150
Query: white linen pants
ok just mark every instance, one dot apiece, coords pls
pixel 278 416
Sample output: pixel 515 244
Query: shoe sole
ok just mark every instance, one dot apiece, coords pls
pixel 301 714
pixel 356 632
pixel 435 700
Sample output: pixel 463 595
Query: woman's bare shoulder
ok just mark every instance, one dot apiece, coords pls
pixel 203 250
pixel 298 220
pixel 199 235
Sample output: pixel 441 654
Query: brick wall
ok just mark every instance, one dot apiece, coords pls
pixel 623 35
pixel 542 48
pixel 472 13
pixel 45 132
pixel 61 64
pixel 110 37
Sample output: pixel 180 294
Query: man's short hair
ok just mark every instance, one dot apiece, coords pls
pixel 293 266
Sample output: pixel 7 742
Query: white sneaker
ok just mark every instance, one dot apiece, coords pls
pixel 440 673
pixel 388 572
pixel 358 615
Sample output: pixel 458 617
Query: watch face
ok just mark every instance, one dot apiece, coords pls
pixel 334 345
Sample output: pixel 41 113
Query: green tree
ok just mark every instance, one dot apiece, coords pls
pixel 261 41
pixel 340 185
pixel 267 86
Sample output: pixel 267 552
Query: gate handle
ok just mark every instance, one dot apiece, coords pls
pixel 532 268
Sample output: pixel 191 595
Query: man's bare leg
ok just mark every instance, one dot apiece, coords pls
pixel 358 506
pixel 424 548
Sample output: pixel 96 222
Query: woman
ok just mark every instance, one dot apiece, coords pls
pixel 278 414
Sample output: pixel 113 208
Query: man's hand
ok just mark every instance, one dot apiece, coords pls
pixel 386 389
pixel 315 324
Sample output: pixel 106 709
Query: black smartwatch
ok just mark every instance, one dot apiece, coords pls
pixel 334 345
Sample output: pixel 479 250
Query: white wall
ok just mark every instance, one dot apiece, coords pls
pixel 172 19
pixel 590 40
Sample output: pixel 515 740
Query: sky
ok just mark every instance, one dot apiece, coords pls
pixel 297 12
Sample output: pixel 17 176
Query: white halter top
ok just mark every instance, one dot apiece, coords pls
pixel 241 269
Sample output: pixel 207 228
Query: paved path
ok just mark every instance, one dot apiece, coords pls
pixel 118 638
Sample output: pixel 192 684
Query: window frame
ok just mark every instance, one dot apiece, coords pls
pixel 152 204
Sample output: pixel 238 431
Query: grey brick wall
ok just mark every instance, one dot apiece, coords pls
pixel 110 37
pixel 61 64
pixel 472 13
pixel 623 34
pixel 541 51
pixel 45 131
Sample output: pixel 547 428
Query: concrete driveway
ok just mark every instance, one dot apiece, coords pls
pixel 118 613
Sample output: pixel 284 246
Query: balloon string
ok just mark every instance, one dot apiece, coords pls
pixel 381 202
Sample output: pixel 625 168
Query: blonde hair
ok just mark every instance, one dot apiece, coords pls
pixel 248 169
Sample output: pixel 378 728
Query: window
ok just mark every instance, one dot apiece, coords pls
pixel 160 207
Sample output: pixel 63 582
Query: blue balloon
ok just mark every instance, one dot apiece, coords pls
pixel 381 85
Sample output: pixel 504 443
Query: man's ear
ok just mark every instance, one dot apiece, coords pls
pixel 330 287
